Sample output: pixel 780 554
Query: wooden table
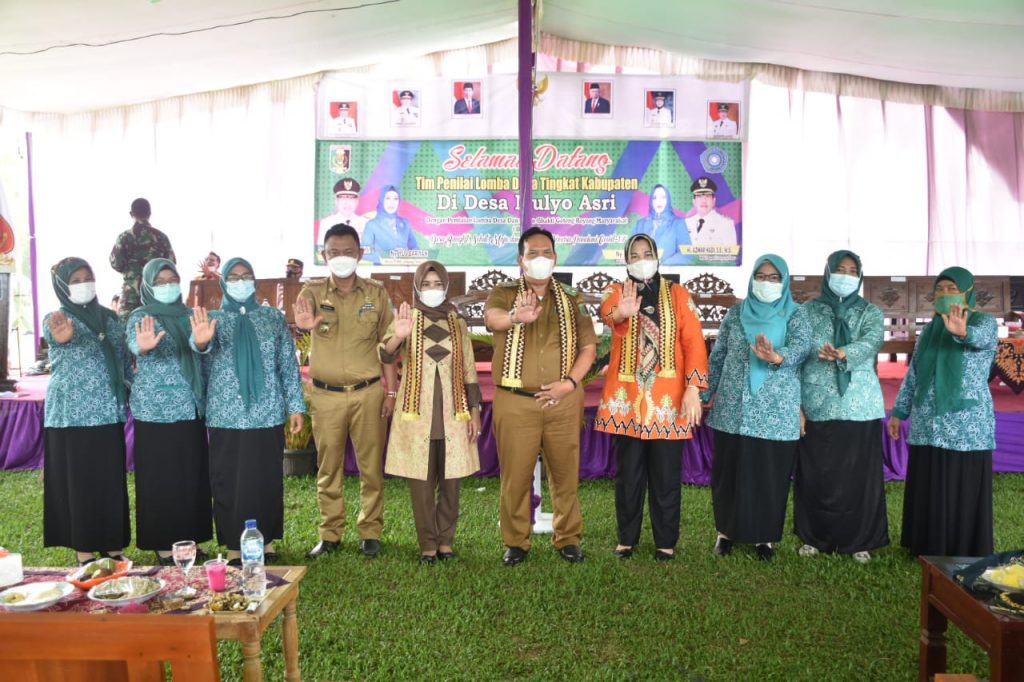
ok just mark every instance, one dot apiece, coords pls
pixel 247 628
pixel 944 600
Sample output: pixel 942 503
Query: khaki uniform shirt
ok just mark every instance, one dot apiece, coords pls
pixel 344 350
pixel 541 352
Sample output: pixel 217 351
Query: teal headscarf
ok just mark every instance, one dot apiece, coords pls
pixel 175 319
pixel 94 317
pixel 841 334
pixel 248 361
pixel 769 319
pixel 939 359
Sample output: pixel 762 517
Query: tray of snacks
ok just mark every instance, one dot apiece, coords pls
pixel 126 590
pixel 99 571
pixel 1008 577
pixel 231 602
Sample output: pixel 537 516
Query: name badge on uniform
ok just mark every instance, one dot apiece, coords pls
pixel 324 328
pixel 327 306
pixel 366 307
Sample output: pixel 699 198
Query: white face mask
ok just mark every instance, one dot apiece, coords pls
pixel 342 266
pixel 843 285
pixel 767 292
pixel 82 292
pixel 432 297
pixel 539 267
pixel 642 269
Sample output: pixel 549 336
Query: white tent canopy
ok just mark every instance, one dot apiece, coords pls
pixel 977 44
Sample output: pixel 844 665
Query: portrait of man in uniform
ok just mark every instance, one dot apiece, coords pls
pixel 659 108
pixel 723 119
pixel 343 120
pixel 707 226
pixel 406 109
pixel 346 200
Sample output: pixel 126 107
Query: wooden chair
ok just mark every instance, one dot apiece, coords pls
pixel 81 647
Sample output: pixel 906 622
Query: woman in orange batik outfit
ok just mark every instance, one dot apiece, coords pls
pixel 657 367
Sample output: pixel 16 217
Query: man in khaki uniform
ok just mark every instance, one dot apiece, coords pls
pixel 544 344
pixel 348 316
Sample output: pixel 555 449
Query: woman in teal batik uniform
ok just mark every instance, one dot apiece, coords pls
pixel 85 489
pixel 947 502
pixel 838 488
pixel 172 469
pixel 755 380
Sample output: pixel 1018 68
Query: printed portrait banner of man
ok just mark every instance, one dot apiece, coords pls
pixel 458 201
pixel 343 119
pixel 723 119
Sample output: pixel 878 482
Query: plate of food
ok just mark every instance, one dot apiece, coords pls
pixel 34 596
pixel 230 602
pixel 1009 577
pixel 133 589
pixel 99 571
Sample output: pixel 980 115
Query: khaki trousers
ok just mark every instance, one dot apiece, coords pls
pixel 522 429
pixel 337 417
pixel 435 502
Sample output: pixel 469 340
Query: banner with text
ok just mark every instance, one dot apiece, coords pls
pixel 457 201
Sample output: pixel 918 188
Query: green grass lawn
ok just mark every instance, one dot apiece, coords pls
pixel 698 618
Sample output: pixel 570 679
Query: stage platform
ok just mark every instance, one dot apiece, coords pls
pixel 21 432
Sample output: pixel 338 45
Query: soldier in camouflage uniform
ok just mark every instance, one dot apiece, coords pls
pixel 133 249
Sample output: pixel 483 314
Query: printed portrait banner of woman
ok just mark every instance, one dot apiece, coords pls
pixel 457 201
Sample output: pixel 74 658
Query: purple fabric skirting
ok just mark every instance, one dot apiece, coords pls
pixel 21 446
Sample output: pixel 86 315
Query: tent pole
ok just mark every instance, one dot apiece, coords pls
pixel 526 70
pixel 33 265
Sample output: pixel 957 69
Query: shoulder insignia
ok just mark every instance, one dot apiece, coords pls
pixel 375 282
pixel 509 283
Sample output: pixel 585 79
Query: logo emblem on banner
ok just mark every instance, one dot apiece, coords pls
pixel 714 160
pixel 341 158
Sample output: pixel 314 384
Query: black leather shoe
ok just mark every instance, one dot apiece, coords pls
pixel 764 552
pixel 166 560
pixel 624 553
pixel 323 547
pixel 201 555
pixel 370 548
pixel 662 555
pixel 271 558
pixel 571 553
pixel 236 562
pixel 722 546
pixel 445 556
pixel 429 559
pixel 513 556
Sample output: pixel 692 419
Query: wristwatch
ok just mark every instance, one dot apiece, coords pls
pixel 392 394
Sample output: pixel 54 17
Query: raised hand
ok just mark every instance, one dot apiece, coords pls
pixel 764 350
pixel 60 327
pixel 893 427
pixel 146 336
pixel 403 322
pixel 202 327
pixel 629 303
pixel 304 314
pixel 527 307
pixel 830 353
pixel 956 320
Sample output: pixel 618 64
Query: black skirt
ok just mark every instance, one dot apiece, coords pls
pixel 838 489
pixel 85 489
pixel 947 503
pixel 247 481
pixel 750 486
pixel 172 484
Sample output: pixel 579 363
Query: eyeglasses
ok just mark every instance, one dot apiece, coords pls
pixel 239 278
pixel 761 277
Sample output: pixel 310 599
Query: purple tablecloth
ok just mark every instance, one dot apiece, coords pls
pixel 21 446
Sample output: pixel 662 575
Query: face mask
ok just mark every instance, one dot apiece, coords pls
pixel 943 302
pixel 432 297
pixel 82 293
pixel 843 285
pixel 540 267
pixel 240 290
pixel 642 269
pixel 167 293
pixel 342 266
pixel 767 292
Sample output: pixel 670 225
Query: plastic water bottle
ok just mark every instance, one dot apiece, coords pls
pixel 254 575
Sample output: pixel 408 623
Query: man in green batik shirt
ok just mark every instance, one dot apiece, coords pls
pixel 133 249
